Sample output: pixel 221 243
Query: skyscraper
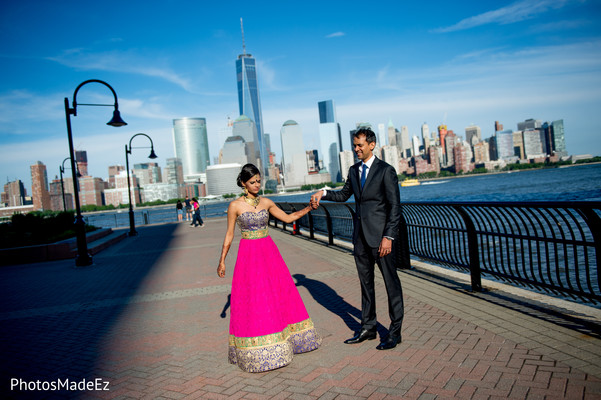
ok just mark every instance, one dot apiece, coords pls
pixel 530 123
pixel 382 135
pixel 233 151
pixel 405 143
pixel 442 132
pixel 191 145
pixel 533 145
pixel 415 144
pixel 473 134
pixel 247 130
pixel 504 145
pixel 327 112
pixel 249 101
pixel 559 141
pixel 294 159
pixel 391 134
pixel 14 193
pixel 148 173
pixel 174 172
pixel 426 137
pixel 39 187
pixel 330 139
pixel 450 140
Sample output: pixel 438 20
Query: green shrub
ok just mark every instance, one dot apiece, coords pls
pixel 38 228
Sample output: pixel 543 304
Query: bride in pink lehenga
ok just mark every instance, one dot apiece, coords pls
pixel 269 322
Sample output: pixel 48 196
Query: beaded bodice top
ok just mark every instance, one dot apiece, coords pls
pixel 253 221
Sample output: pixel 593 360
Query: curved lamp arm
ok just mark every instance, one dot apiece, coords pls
pixel 152 153
pixel 115 121
pixel 62 167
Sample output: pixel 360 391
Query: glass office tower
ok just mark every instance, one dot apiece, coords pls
pixel 559 140
pixel 249 102
pixel 327 112
pixel 330 138
pixel 191 144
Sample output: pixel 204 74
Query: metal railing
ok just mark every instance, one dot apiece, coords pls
pixel 145 216
pixel 553 246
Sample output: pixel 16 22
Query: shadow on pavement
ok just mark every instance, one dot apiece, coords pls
pixel 332 301
pixel 226 306
pixel 55 318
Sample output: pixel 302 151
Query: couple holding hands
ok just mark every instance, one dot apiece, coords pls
pixel 269 322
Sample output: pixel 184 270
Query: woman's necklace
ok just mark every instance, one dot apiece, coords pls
pixel 252 201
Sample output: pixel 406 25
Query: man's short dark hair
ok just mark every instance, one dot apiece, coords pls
pixel 370 136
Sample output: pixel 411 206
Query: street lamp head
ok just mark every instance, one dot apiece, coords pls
pixel 116 120
pixel 152 154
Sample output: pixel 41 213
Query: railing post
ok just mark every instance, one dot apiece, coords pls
pixel 311 226
pixel 284 224
pixel 403 259
pixel 472 244
pixel 329 225
pixel 594 223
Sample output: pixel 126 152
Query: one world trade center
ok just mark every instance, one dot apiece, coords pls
pixel 249 100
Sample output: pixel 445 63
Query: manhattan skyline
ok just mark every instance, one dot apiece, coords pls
pixel 460 64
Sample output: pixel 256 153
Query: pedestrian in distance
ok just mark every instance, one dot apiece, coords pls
pixel 196 219
pixel 180 211
pixel 188 206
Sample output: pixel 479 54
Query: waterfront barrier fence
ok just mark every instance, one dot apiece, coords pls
pixel 552 246
pixel 146 216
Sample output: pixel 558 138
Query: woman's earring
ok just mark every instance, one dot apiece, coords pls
pixel 245 191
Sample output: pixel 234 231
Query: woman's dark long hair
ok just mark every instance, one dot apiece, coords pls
pixel 247 172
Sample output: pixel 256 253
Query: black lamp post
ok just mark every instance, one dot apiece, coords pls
pixel 132 224
pixel 83 258
pixel 61 169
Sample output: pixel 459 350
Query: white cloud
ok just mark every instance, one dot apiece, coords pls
pixel 516 12
pixel 549 82
pixel 335 34
pixel 125 62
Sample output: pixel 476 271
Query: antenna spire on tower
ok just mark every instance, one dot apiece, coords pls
pixel 243 44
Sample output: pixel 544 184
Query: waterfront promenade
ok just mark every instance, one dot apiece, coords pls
pixel 150 318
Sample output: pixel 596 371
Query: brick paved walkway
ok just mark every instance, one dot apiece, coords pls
pixel 151 319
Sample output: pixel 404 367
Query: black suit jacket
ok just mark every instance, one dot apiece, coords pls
pixel 378 206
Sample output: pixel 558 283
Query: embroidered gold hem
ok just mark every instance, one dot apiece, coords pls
pixel 262 359
pixel 257 234
pixel 273 351
pixel 266 340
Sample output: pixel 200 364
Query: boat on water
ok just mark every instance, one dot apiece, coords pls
pixel 409 182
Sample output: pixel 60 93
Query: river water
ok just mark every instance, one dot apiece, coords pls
pixel 574 183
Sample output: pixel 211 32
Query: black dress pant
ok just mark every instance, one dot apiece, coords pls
pixel 365 259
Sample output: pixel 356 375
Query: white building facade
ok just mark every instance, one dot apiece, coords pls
pixel 294 163
pixel 221 179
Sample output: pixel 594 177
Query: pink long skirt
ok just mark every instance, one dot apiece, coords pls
pixel 269 322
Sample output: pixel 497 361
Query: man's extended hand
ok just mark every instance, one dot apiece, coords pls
pixel 385 247
pixel 316 197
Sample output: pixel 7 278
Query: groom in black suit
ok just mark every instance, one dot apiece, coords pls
pixel 374 184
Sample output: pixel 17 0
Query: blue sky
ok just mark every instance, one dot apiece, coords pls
pixel 461 62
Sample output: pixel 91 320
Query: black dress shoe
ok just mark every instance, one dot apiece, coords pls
pixel 362 335
pixel 389 343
